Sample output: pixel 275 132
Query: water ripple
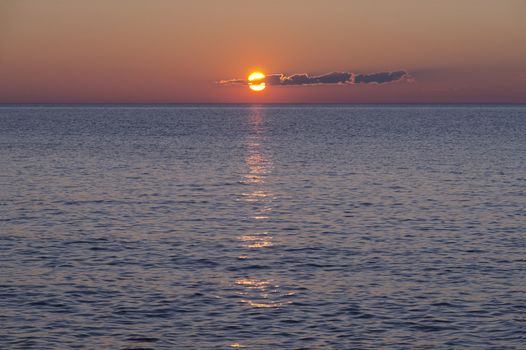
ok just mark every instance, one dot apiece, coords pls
pixel 270 227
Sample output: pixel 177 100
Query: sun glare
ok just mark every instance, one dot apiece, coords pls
pixel 255 81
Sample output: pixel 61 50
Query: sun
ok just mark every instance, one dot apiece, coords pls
pixel 255 81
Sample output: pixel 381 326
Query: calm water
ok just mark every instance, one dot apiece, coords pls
pixel 263 227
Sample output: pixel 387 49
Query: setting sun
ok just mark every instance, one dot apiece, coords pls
pixel 255 81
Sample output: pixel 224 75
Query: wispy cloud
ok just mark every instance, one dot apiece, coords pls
pixel 329 78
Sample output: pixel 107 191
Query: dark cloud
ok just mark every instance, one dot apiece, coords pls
pixel 379 78
pixel 329 78
pixel 233 82
pixel 305 79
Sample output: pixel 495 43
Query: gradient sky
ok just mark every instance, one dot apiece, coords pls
pixel 176 51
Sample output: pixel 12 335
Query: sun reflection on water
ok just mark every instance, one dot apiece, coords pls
pixel 251 283
pixel 260 292
pixel 256 241
pixel 263 293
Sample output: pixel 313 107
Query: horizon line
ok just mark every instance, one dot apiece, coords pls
pixel 2 104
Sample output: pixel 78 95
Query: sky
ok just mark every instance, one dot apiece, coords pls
pixel 162 51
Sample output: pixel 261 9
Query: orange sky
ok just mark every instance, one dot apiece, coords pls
pixel 175 51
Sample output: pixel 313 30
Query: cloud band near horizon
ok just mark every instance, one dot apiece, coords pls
pixel 329 78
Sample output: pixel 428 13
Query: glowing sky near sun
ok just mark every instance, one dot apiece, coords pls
pixel 177 51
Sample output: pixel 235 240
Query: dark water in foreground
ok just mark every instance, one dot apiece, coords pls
pixel 263 227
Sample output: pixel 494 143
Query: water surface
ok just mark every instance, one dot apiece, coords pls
pixel 264 227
